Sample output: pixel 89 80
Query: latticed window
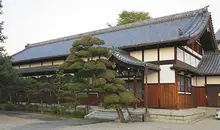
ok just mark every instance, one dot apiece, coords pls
pixel 184 83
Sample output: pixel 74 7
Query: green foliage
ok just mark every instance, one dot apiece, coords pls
pixel 76 65
pixel 78 114
pixel 65 65
pixel 111 99
pixel 126 17
pixel 127 97
pixel 99 81
pixel 9 107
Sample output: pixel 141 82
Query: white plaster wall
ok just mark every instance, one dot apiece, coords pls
pixel 166 74
pixel 24 66
pixel 47 63
pixel 180 54
pixel 58 62
pixel 152 77
pixel 167 53
pixel 35 64
pixel 16 67
pixel 193 81
pixel 197 62
pixel 213 80
pixel 187 58
pixel 150 55
pixel 200 81
pixel 193 61
pixel 136 54
pixel 95 58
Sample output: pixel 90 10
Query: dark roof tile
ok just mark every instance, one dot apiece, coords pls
pixel 157 30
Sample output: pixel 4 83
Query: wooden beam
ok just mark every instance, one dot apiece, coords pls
pixel 177 95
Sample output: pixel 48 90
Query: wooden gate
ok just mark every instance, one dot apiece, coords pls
pixel 213 95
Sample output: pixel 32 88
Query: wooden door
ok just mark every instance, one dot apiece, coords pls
pixel 218 99
pixel 213 98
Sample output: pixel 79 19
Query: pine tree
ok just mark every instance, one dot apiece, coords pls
pixel 94 72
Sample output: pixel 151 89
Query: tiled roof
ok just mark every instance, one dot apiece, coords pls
pixel 217 36
pixel 183 66
pixel 170 28
pixel 126 58
pixel 210 64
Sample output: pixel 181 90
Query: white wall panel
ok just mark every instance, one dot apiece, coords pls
pixel 213 80
pixel 136 54
pixel 47 63
pixel 180 54
pixel 150 55
pixel 200 81
pixel 152 77
pixel 36 64
pixel 166 74
pixel 58 62
pixel 167 53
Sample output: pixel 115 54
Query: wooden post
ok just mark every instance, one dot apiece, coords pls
pixel 145 90
pixel 135 88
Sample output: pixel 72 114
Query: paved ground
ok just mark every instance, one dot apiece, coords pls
pixel 24 121
pixel 29 121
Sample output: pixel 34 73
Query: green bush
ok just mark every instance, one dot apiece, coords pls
pixel 55 110
pixel 9 107
pixel 1 107
pixel 19 107
pixel 78 114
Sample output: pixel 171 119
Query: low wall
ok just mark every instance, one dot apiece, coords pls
pixel 177 116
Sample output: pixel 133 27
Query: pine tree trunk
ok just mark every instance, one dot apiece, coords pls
pixel 10 98
pixel 41 106
pixel 58 100
pixel 0 95
pixel 121 116
pixel 28 98
pixel 147 115
pixel 129 114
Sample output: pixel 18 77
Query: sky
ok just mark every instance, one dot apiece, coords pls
pixel 31 21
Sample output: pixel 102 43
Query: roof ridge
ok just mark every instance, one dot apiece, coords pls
pixel 123 27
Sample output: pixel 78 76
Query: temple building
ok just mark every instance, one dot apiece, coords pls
pixel 169 62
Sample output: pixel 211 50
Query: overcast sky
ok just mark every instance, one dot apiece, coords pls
pixel 31 21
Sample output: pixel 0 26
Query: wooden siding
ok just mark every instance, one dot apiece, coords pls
pixel 93 99
pixel 153 95
pixel 168 96
pixel 199 96
pixel 186 101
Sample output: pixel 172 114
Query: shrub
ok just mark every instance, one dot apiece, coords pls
pixel 9 107
pixel 19 107
pixel 78 114
pixel 1 107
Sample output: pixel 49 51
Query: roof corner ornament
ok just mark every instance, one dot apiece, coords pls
pixel 206 7
pixel 180 32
